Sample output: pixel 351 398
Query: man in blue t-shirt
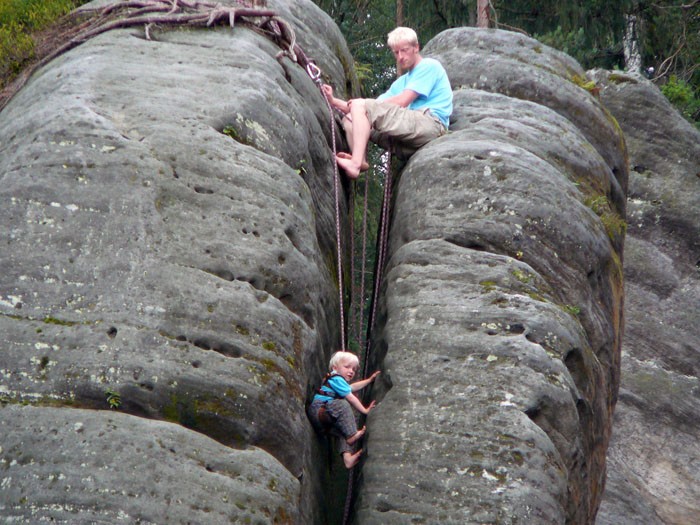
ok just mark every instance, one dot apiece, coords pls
pixel 415 110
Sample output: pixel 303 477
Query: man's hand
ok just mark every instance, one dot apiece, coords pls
pixel 327 92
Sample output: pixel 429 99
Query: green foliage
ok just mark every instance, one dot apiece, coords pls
pixel 114 400
pixel 572 310
pixel 16 48
pixel 574 43
pixel 684 98
pixel 34 14
pixel 18 20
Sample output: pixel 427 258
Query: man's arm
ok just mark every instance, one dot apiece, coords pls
pixel 337 103
pixel 403 99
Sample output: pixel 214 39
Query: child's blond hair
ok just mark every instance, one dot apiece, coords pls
pixel 341 357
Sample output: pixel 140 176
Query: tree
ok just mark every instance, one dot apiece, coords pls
pixel 482 13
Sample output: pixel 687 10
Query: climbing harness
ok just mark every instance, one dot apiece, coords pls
pixel 330 392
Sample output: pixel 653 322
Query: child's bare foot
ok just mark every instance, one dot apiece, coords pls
pixel 351 460
pixel 352 170
pixel 363 167
pixel 353 439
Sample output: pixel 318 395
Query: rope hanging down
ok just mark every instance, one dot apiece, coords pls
pixel 315 74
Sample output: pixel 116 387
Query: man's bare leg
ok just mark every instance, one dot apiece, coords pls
pixel 358 139
pixel 347 126
pixel 344 155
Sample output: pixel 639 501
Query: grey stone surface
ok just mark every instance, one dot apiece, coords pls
pixel 523 68
pixel 502 319
pixel 64 465
pixel 168 238
pixel 654 458
pixel 168 234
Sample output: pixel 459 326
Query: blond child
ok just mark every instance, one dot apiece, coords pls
pixel 336 399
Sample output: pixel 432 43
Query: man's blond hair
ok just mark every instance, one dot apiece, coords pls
pixel 402 35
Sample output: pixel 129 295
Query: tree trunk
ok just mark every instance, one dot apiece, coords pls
pixel 630 44
pixel 482 13
pixel 399 23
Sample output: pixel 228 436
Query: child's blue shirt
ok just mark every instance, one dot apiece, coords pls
pixel 336 383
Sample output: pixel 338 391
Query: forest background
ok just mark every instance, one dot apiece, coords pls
pixel 592 31
pixel 595 32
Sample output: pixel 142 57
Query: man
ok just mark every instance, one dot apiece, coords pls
pixel 415 110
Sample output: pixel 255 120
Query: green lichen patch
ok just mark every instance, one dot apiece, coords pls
pixel 582 82
pixel 59 322
pixel 617 78
pixel 614 224
pixel 522 276
pixel 488 286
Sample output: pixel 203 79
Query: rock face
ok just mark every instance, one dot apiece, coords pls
pixel 168 235
pixel 168 294
pixel 653 474
pixel 502 319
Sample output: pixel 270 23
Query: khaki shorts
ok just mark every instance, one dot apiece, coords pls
pixel 400 130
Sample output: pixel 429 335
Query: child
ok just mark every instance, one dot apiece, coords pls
pixel 336 397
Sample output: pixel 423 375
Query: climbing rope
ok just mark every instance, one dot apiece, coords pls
pixel 352 310
pixel 382 243
pixel 315 73
pixel 363 270
pixel 357 299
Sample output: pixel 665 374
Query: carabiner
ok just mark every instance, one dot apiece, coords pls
pixel 313 71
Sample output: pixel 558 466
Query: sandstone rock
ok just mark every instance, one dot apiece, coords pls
pixel 101 467
pixel 654 453
pixel 501 324
pixel 168 234
pixel 168 290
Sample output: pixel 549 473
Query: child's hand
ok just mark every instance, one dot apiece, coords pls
pixel 371 406
pixel 374 375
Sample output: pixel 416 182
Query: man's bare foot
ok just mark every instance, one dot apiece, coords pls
pixel 352 170
pixel 353 439
pixel 344 155
pixel 351 460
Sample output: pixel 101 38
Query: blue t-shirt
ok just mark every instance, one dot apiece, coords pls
pixel 429 79
pixel 338 384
